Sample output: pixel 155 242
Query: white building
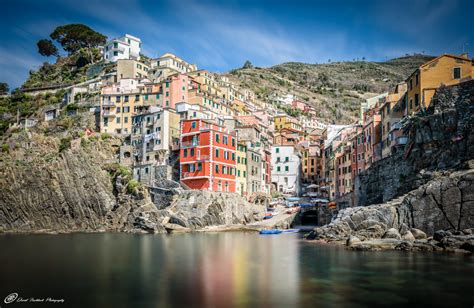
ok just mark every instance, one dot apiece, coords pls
pixel 286 169
pixel 169 64
pixel 125 47
pixel 370 103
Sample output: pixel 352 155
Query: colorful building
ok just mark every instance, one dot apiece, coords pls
pixel 207 156
pixel 241 186
pixel 443 70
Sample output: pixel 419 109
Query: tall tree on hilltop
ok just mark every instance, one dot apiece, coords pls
pixel 46 48
pixel 75 37
pixel 4 88
pixel 247 64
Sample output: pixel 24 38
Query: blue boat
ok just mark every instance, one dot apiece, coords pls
pixel 271 231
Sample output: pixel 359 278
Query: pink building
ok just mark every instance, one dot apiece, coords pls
pixel 299 105
pixel 175 90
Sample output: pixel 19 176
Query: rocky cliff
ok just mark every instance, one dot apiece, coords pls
pixel 444 204
pixel 443 139
pixel 45 189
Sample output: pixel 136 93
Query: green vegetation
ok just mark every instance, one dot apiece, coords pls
pixel 23 105
pixel 5 148
pixel 46 48
pixel 116 170
pixel 81 44
pixel 65 144
pixel 4 88
pixel 334 89
pixel 132 186
pixel 105 136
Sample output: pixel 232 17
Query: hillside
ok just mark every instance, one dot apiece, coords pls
pixel 334 89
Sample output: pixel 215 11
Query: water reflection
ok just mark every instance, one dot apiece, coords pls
pixel 224 270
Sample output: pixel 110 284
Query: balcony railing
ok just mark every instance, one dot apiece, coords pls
pixel 202 157
pixel 402 140
pixel 189 144
pixel 108 113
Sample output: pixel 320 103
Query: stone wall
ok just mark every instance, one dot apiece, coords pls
pixel 443 139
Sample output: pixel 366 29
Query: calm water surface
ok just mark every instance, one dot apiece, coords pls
pixel 224 270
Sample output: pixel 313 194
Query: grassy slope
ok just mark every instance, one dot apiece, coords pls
pixel 334 89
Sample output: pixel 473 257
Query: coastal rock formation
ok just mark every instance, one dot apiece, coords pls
pixel 46 191
pixel 198 209
pixel 445 203
pixel 443 139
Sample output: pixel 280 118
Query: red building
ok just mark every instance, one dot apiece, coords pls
pixel 207 156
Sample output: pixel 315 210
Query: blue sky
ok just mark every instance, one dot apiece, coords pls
pixel 221 35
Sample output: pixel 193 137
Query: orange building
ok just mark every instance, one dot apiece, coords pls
pixel 207 156
pixel 445 69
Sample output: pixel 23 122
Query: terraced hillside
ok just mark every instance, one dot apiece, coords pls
pixel 334 89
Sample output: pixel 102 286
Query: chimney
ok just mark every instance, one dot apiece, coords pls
pixel 464 55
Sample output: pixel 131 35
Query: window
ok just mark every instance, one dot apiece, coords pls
pixel 217 137
pixel 125 119
pixel 278 168
pixel 115 53
pixel 417 77
pixel 245 174
pixel 238 173
pixel 125 99
pixel 118 109
pixel 193 124
pixel 411 84
pixel 137 98
pixel 191 152
pixel 117 99
pixel 417 99
pixel 185 152
pixel 217 153
pixel 233 142
pixel 118 120
pixel 287 168
pixel 191 168
pixel 217 168
pixel 199 167
pixel 238 159
pixel 224 169
pixel 287 159
pixel 277 150
pixel 233 156
pixel 457 73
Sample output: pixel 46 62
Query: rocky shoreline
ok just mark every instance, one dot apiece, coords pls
pixel 438 216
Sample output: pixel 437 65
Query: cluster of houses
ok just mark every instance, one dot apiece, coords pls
pixel 199 128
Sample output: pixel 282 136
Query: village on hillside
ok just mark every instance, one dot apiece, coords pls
pixel 185 124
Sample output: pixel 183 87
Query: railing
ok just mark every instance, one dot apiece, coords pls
pixel 402 140
pixel 189 144
pixel 202 157
pixel 108 113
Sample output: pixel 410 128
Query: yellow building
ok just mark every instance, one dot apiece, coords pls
pixel 285 121
pixel 128 68
pixel 445 69
pixel 207 82
pixel 241 187
pixel 119 102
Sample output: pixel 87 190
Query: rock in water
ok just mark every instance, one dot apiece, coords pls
pixel 392 233
pixel 408 236
pixel 418 234
pixel 352 240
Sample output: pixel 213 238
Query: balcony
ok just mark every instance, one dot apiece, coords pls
pixel 402 140
pixel 202 157
pixel 108 103
pixel 108 113
pixel 189 144
pixel 192 175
